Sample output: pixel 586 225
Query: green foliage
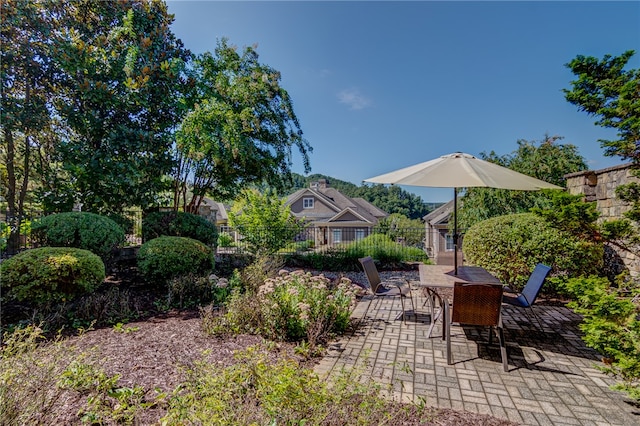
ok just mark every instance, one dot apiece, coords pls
pixel 88 231
pixel 611 326
pixel 105 307
pixel 163 258
pixel 36 375
pixel 121 328
pixel 51 274
pixel 123 68
pixel 571 214
pixel 546 160
pixel 107 402
pixel 240 127
pixel 292 307
pixel 179 224
pixel 400 228
pixel 298 246
pixel 5 231
pixel 605 90
pixel 264 221
pixel 258 391
pixel 193 290
pixel 29 371
pixel 258 271
pixel 510 246
pixel 385 250
pixel 388 254
pixel 29 78
pixel 225 240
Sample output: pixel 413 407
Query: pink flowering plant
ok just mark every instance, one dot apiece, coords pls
pixel 298 306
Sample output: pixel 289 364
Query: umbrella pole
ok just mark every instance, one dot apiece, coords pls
pixel 455 231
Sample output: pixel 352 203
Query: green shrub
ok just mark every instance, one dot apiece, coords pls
pixel 29 372
pixel 192 290
pixel 164 258
pixel 388 254
pixel 510 246
pixel 51 274
pixel 83 230
pixel 611 326
pixel 179 224
pixel 256 390
pixel 225 240
pixel 293 306
pixel 5 232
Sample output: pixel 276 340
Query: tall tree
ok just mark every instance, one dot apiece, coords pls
pixel 264 221
pixel 605 90
pixel 28 77
pixel 123 79
pixel 240 130
pixel 545 160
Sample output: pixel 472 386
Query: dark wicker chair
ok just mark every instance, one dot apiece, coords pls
pixel 477 304
pixel 391 288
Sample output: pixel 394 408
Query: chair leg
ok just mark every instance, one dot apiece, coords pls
pixel 503 348
pixel 538 320
pixel 413 306
pixel 446 332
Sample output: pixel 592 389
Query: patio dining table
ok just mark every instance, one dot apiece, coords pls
pixel 437 277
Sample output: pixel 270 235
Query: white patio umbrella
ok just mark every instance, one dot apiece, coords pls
pixel 460 170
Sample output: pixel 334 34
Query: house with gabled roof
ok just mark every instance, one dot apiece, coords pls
pixel 333 217
pixel 438 238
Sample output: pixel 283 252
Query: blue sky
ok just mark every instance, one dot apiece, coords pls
pixel 382 85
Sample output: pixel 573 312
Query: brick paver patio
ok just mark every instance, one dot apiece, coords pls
pixel 552 379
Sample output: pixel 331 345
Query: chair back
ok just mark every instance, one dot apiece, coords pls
pixel 477 303
pixel 371 272
pixel 534 283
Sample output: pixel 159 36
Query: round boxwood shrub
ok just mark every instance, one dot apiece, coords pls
pixel 164 258
pixel 84 230
pixel 51 274
pixel 510 246
pixel 179 224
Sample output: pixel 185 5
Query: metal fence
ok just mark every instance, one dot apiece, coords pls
pixel 131 221
pixel 410 242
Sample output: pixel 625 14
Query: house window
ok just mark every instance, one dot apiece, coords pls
pixel 360 234
pixel 448 242
pixel 307 203
pixel 337 235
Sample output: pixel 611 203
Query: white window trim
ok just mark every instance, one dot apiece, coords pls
pixel 448 244
pixel 306 204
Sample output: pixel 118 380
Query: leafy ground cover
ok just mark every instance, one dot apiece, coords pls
pixel 166 366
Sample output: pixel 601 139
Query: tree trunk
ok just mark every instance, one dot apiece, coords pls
pixel 13 243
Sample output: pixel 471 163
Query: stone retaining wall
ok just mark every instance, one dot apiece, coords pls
pixel 600 186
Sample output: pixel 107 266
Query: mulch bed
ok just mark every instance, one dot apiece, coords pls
pixel 154 351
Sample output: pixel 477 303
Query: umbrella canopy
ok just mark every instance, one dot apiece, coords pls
pixel 460 170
